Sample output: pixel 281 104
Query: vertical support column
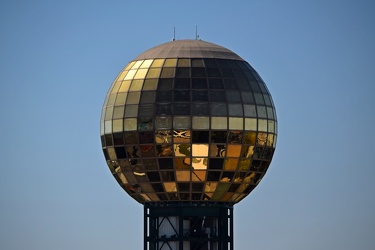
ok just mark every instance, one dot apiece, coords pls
pixel 188 226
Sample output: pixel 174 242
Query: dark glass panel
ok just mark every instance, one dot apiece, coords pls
pixel 254 86
pixel 148 97
pixel 213 72
pixel 200 136
pixel 163 197
pixel 218 109
pixel 218 136
pixel 165 163
pixel 183 187
pixel 227 73
pixel 183 62
pixel 227 174
pixel 131 137
pixel 118 138
pixel 181 95
pixel 223 63
pixel 238 74
pixel 259 99
pixel 106 154
pixel 120 152
pixel 183 72
pixel 158 187
pixel 150 164
pixel 213 175
pixel 233 96
pixel 146 137
pixel 146 111
pixel 216 83
pixel 182 83
pixel 163 109
pixel 210 63
pixel 216 163
pixel 102 138
pixel 197 63
pixel 200 109
pixel 230 84
pixel 201 96
pixel 153 176
pixel 147 150
pixel 217 96
pixel 243 84
pixel 165 84
pixel 247 97
pixel 198 72
pixel 233 188
pixel 181 108
pixel 233 64
pixel 199 83
pixel 164 96
pixel 197 187
pixel 108 140
pixel 196 196
pixel 235 110
pixel 249 75
pixel 167 73
pixel 167 175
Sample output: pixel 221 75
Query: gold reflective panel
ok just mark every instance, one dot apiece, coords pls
pixel 170 63
pixel 157 63
pixel 133 98
pixel 261 139
pixel 200 150
pixel 141 73
pixel 118 112
pixel 121 98
pixel 163 136
pixel 130 124
pixel 247 151
pixel 137 64
pixel 146 64
pixel 170 186
pixel 153 73
pixel 111 153
pixel 116 87
pixel 184 62
pixel 117 125
pixel 231 164
pixel 111 100
pixel 130 74
pixel 234 150
pixel 182 150
pixel 181 136
pixel 210 187
pixel 199 163
pixel 271 126
pixel 125 85
pixel 136 85
pixel 167 73
pixel 198 175
pixel 251 124
pixel 108 113
pixel 131 111
pixel 182 175
pixel 130 65
pixel 108 127
pixel 164 150
pixel 262 125
pixel 250 138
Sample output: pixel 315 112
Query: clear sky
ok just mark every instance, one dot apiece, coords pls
pixel 58 59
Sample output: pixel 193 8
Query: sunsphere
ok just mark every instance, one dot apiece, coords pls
pixel 188 120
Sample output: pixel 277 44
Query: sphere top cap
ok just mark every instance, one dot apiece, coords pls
pixel 188 49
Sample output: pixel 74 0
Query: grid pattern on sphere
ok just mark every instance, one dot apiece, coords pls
pixel 185 129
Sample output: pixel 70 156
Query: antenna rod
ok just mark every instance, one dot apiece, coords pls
pixel 174 33
pixel 196 32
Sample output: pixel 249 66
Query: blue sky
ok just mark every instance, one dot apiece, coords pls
pixel 58 59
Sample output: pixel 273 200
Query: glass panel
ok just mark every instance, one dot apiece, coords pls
pixel 164 96
pixel 125 86
pixel 270 113
pixel 233 96
pixel 181 122
pixel 164 150
pixel 200 109
pixel 249 138
pixel 170 63
pixel 217 150
pixel 197 63
pixel 182 163
pixel 108 113
pixel 163 136
pixel 130 124
pixel 148 97
pixel 163 122
pixel 167 73
pixel 153 73
pixel 271 126
pixel 133 98
pixel 210 187
pixel 250 124
pixel 231 164
pixel 200 96
pixel 163 109
pixel 115 87
pixel 182 150
pixel 146 63
pixel 217 96
pixel 219 123
pixel 111 100
pixel 259 99
pixel 201 122
pixel 181 109
pixel 165 84
pixel 247 97
pixel 199 83
pixel 130 74
pixel 181 136
pixel 235 110
pixel 182 72
pixel 108 127
pixel 199 176
pixel 102 128
pixel 216 83
pixel 199 163
pixel 170 186
pixel 261 110
pixel 183 176
pixel 131 111
pixel 118 112
pixel 111 153
pixel 235 137
pixel 218 109
pixel 235 123
pixel 270 140
pixel 182 83
pixel 261 139
pixel 150 84
pixel 130 65
pixel 198 72
pixel 137 64
pixel 141 73
pixel 250 110
pixel 262 125
pixel 120 99
pixel 200 150
pixel 233 150
pixel 183 62
pixel 181 95
pixel 213 72
pixel 157 63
